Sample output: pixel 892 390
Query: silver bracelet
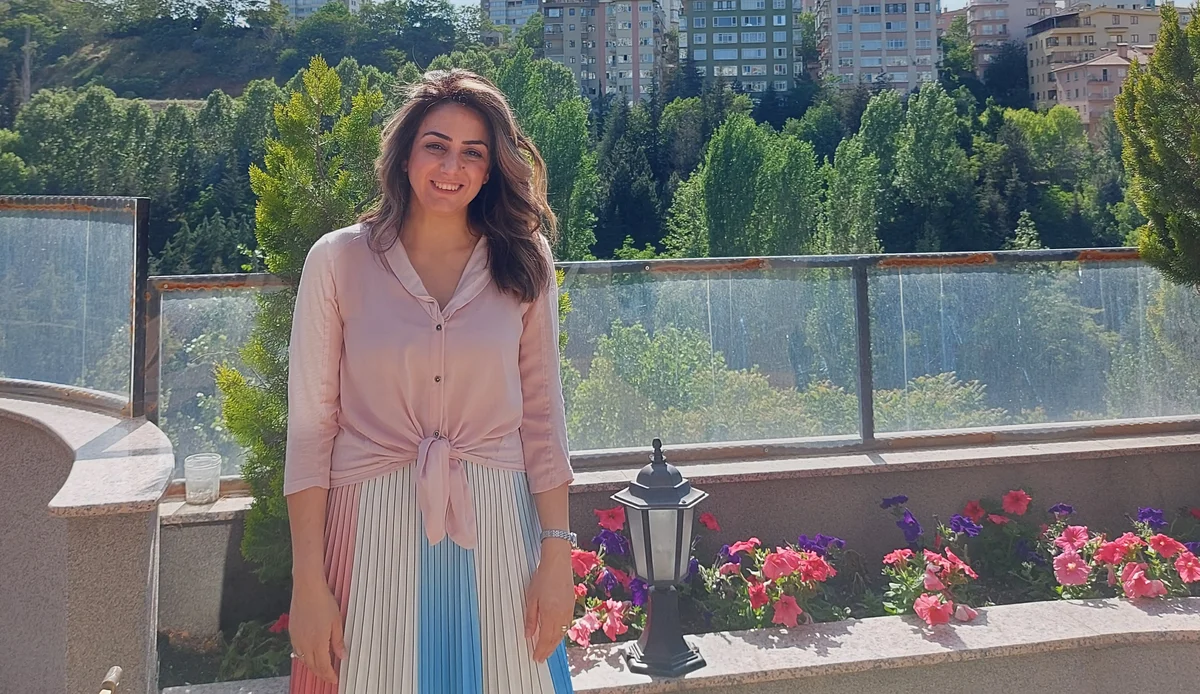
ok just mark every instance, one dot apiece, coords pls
pixel 560 535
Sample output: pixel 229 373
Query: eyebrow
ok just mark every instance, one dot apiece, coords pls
pixel 447 138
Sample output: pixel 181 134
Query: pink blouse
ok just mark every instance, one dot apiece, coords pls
pixel 382 377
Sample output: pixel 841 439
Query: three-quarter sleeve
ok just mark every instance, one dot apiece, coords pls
pixel 544 419
pixel 314 363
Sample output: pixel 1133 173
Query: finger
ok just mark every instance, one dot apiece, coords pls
pixel 322 666
pixel 338 641
pixel 531 616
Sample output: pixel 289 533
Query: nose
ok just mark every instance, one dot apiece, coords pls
pixel 450 164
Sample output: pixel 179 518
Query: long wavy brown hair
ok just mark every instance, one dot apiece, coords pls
pixel 511 209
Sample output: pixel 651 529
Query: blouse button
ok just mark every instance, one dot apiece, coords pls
pixel 437 379
pixel 439 327
pixel 437 434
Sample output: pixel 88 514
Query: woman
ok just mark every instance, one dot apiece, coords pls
pixel 426 469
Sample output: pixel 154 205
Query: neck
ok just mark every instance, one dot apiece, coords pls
pixel 436 232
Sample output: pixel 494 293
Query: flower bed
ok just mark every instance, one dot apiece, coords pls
pixel 991 552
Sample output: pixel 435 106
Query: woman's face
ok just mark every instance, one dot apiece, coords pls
pixel 450 159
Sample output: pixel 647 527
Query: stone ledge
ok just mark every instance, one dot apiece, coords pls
pixel 121 465
pixel 749 658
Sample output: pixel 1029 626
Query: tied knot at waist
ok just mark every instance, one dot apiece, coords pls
pixel 444 492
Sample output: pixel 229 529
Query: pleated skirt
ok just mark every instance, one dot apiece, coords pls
pixel 440 619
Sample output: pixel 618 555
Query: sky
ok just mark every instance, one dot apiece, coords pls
pixel 951 4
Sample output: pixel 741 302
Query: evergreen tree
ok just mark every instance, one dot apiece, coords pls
pixel 1007 76
pixel 850 214
pixel 1158 112
pixel 819 127
pixel 687 220
pixel 316 178
pixel 629 204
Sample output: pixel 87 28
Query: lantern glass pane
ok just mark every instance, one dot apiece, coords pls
pixel 685 553
pixel 637 537
pixel 664 533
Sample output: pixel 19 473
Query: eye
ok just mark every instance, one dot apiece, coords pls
pixel 434 146
pixel 475 153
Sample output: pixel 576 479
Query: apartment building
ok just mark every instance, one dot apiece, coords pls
pixel 303 9
pixel 868 40
pixel 1081 35
pixel 1091 87
pixel 753 42
pixel 510 13
pixel 993 23
pixel 947 17
pixel 611 47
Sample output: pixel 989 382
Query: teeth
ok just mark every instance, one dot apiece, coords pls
pixel 446 186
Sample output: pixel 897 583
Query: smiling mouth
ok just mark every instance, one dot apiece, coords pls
pixel 448 187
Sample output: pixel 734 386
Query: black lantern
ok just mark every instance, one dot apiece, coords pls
pixel 661 508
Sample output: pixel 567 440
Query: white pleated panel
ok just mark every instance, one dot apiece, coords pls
pixel 502 569
pixel 381 615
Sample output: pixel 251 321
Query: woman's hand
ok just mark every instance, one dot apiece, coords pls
pixel 315 627
pixel 550 600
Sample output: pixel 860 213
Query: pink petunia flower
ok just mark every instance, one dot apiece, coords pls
pixel 932 582
pixel 1129 541
pixel 614 619
pixel 709 521
pixel 786 611
pixel 1188 567
pixel 974 511
pixel 815 568
pixel 729 569
pixel 1110 553
pixel 1073 537
pixel 744 546
pixel 930 608
pixel 998 519
pixel 965 613
pixel 1070 569
pixel 898 557
pixel 612 519
pixel 583 628
pixel 623 578
pixel 580 590
pixel 1016 502
pixel 780 563
pixel 1166 547
pixel 583 562
pixel 959 564
pixel 1136 585
pixel 758 595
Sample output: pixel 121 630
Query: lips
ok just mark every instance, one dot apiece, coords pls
pixel 447 187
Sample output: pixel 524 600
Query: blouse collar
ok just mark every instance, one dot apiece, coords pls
pixel 475 276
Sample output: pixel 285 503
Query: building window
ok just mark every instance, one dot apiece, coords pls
pixel 646 8
pixel 1116 20
pixel 754 37
pixel 899 77
pixel 754 21
pixel 646 57
pixel 924 43
pixel 897 61
pixel 754 4
pixel 922 24
pixel 845 11
pixel 779 37
pixel 779 5
pixel 845 62
pixel 725 54
pixel 644 24
pixel 698 6
pixel 754 54
pixel 897 26
pixel 571 27
pixel 781 54
pixel 723 5
pixel 698 39
pixel 871 62
pixel 699 22
pixel 1133 19
pixel 896 8
pixel 724 38
pixel 781 85
pixel 845 45
pixel 1135 38
pixel 896 44
pixel 780 69
pixel 571 11
pixel 870 27
pixel 1031 13
pixel 725 71
pixel 1153 38
pixel 779 20
pixel 554 12
pixel 753 70
pixel 700 54
pixel 872 45
pixel 869 9
pixel 924 60
pixel 572 44
pixel 724 22
pixel 1090 39
pixel 922 7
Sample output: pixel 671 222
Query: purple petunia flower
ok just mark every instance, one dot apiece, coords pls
pixel 1152 517
pixel 894 501
pixel 1193 547
pixel 607 581
pixel 612 543
pixel 1026 552
pixel 911 528
pixel 693 568
pixel 830 541
pixel 820 544
pixel 1062 509
pixel 724 555
pixel 961 524
pixel 638 592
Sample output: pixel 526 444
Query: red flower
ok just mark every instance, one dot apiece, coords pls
pixel 898 557
pixel 709 521
pixel 1110 553
pixel 974 511
pixel 960 564
pixel 1166 547
pixel 612 519
pixel 780 563
pixel 997 519
pixel 280 625
pixel 932 582
pixel 1072 537
pixel 758 595
pixel 786 611
pixel 965 613
pixel 583 562
pixel 1195 513
pixel 1016 502
pixel 940 565
pixel 730 568
pixel 930 608
pixel 1188 567
pixel 815 568
pixel 580 590
pixel 1136 585
pixel 1129 541
pixel 744 546
pixel 623 578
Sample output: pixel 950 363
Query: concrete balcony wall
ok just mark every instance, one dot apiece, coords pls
pixel 79 494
